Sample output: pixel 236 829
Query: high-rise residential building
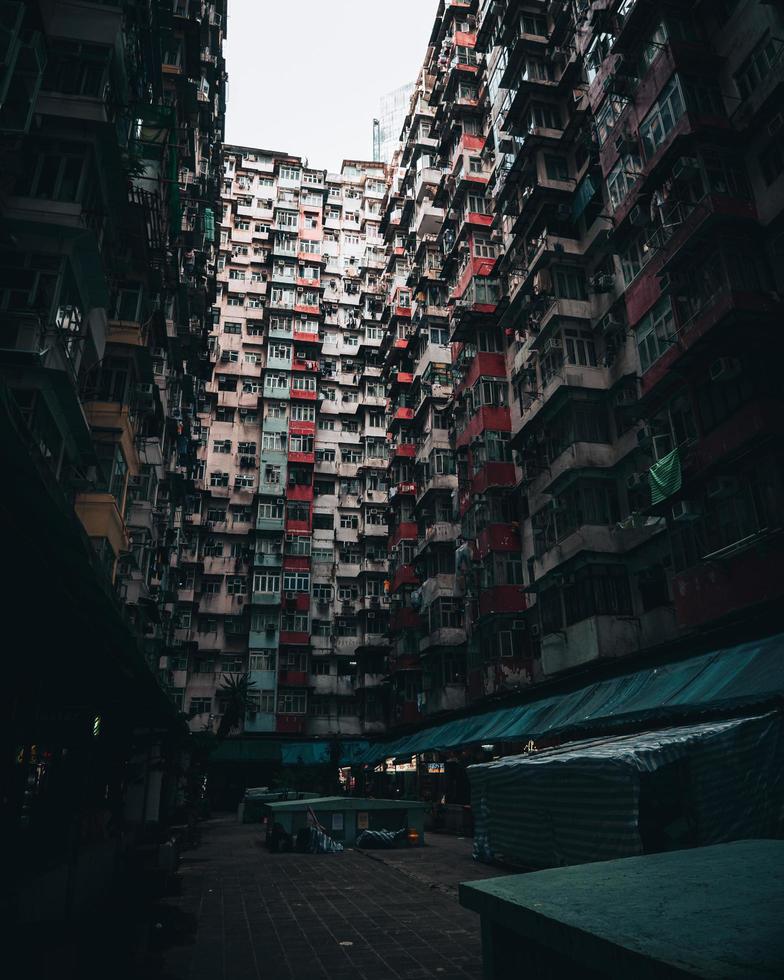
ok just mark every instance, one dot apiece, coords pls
pixel 287 580
pixel 111 129
pixel 392 108
pixel 584 274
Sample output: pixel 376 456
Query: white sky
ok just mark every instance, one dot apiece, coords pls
pixel 305 76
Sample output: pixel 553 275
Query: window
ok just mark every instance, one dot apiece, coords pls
pixel 291 702
pixel 295 623
pixel 635 258
pixel 533 24
pixel 303 413
pixel 80 69
pixel 200 706
pixel 579 347
pixel 599 590
pixel 296 581
pixel 570 284
pixel 222 446
pixel 231 326
pixel 759 64
pixel 266 582
pixel 275 441
pixel 662 118
pixel 236 585
pixel 266 659
pixel 556 167
pixel 606 117
pixel 219 479
pixel 622 178
pixel 655 333
pixel 543 116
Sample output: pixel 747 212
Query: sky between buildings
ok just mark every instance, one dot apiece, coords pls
pixel 305 76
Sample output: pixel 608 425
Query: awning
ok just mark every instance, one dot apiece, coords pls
pixel 617 797
pixel 723 679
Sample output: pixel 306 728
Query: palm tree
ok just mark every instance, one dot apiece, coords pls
pixel 237 694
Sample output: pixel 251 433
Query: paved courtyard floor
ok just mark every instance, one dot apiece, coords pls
pixel 245 914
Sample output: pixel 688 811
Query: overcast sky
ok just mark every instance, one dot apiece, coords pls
pixel 305 76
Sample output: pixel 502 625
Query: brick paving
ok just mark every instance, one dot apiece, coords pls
pixel 245 913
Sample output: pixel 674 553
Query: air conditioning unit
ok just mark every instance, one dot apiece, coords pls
pixel 610 323
pixel 291 595
pixel 640 216
pixel 724 369
pixel 685 511
pixel 624 396
pixel 636 481
pixel 721 487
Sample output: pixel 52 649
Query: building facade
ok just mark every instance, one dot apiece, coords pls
pixel 286 582
pixel 386 128
pixel 111 132
pixel 506 353
pixel 588 210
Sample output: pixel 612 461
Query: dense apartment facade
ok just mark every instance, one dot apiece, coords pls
pixel 111 129
pixel 286 583
pixel 587 208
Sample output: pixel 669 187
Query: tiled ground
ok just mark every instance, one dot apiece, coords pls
pixel 246 914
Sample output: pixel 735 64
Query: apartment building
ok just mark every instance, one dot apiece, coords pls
pixel 587 209
pixel 288 578
pixel 110 137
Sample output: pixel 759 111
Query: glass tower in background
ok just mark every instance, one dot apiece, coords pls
pixel 386 128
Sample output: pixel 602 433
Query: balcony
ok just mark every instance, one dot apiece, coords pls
pixel 404 575
pixel 101 519
pixel 293 678
pixel 445 636
pixel 502 599
pixel 265 598
pixel 439 533
pixel 586 641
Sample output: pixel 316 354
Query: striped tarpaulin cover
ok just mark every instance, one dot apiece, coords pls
pixel 580 802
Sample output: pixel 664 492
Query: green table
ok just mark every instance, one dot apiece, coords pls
pixel 713 912
pixel 252 806
pixel 343 817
